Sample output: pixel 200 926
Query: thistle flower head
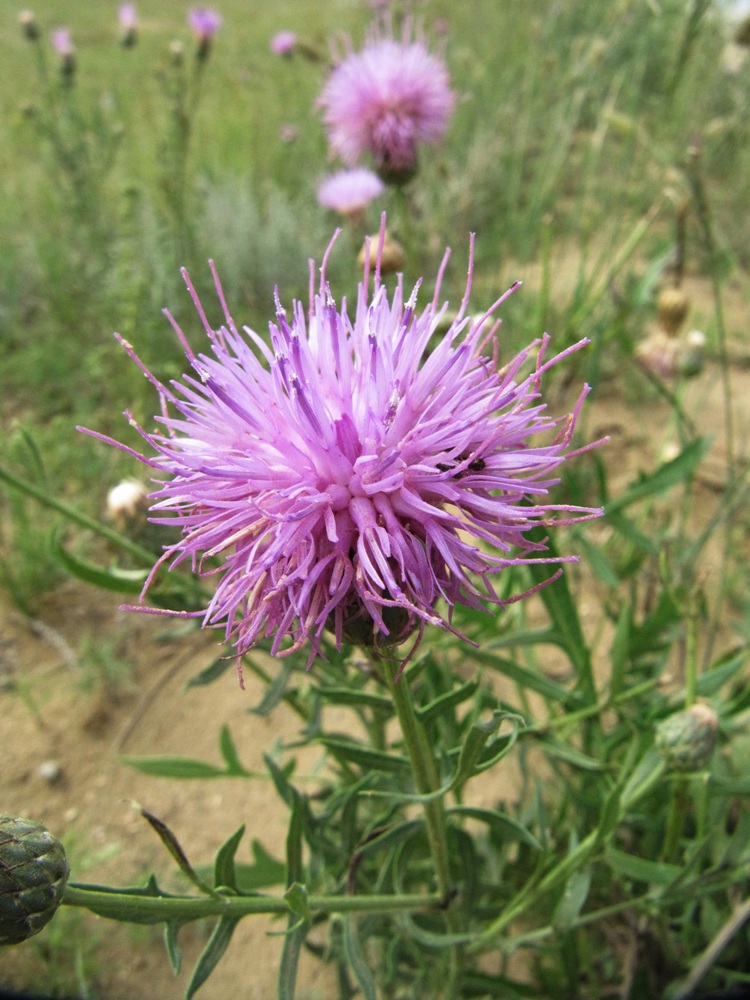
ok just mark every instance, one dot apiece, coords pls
pixel 346 478
pixel 128 20
pixel 350 191
pixel 62 42
pixel 204 21
pixel 283 43
pixel 387 100
pixel 127 16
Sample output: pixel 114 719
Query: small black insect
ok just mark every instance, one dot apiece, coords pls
pixel 475 465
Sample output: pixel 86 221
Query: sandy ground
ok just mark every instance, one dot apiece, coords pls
pixel 49 711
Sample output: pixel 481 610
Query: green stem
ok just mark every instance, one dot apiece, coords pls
pixel 427 781
pixel 78 517
pixel 128 906
pixel 426 777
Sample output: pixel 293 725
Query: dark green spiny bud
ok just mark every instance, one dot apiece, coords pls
pixel 687 739
pixel 33 875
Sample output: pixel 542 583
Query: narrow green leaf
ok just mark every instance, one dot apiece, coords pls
pixel 286 791
pixel 216 946
pixel 571 756
pixel 356 699
pixel 563 613
pixel 446 701
pixel 229 753
pixel 715 678
pixel 274 692
pixel 294 871
pixel 504 826
pixel 174 767
pixel 289 963
pixel 530 679
pixel 601 566
pixel 172 844
pixel 361 756
pixel 174 952
pixel 124 581
pixel 618 653
pixel 663 478
pixel 212 672
pixel 625 527
pixel 224 872
pixel 356 958
pixel 641 869
pixel 392 837
pixel 571 902
pixel 471 759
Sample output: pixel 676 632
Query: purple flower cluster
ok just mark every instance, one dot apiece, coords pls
pixel 349 477
pixel 386 101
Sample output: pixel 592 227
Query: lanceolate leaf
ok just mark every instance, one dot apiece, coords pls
pixel 215 948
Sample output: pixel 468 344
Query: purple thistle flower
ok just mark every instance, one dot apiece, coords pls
pixel 350 191
pixel 128 20
pixel 127 17
pixel 205 22
pixel 345 479
pixel 283 43
pixel 386 100
pixel 63 43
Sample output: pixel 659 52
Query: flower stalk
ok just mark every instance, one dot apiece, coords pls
pixel 137 908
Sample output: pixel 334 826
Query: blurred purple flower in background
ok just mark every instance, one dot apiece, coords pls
pixel 62 42
pixel 387 100
pixel 205 22
pixel 350 191
pixel 128 20
pixel 347 479
pixel 64 47
pixel 283 43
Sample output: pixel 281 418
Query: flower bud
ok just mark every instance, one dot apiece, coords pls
pixel 672 305
pixel 29 25
pixel 33 875
pixel 391 257
pixel 687 739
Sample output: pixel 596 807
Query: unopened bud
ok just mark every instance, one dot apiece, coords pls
pixel 29 25
pixel 673 305
pixel 391 255
pixel 687 739
pixel 33 876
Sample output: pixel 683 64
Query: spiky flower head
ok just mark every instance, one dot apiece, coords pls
pixel 62 43
pixel 350 191
pixel 33 876
pixel 386 101
pixel 348 477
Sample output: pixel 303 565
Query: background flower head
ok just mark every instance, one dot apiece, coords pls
pixel 350 191
pixel 344 479
pixel 283 43
pixel 386 101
